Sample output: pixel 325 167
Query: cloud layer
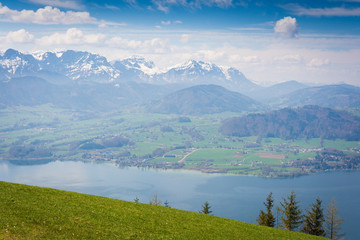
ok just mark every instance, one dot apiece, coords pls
pixel 47 15
pixel 20 36
pixel 322 12
pixel 165 5
pixel 60 3
pixel 73 36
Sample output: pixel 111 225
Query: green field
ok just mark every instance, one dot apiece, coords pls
pixel 156 140
pixel 40 213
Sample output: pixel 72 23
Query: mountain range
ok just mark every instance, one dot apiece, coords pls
pixel 79 79
pixel 85 67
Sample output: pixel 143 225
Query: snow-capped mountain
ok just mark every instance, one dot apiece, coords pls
pixel 191 72
pixel 82 66
pixel 62 67
pixel 135 69
pixel 77 66
pixel 14 64
pixel 198 72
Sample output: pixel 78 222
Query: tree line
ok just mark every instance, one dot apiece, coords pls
pixel 313 221
pixel 289 216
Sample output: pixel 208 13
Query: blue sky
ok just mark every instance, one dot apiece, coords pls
pixel 314 41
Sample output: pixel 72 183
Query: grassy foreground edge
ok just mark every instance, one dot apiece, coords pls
pixel 28 212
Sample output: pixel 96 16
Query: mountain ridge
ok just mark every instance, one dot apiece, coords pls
pixel 85 67
pixel 292 123
pixel 204 99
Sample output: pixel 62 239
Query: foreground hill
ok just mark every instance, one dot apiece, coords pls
pixel 34 213
pixel 204 99
pixel 306 122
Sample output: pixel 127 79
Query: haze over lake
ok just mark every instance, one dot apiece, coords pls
pixel 236 197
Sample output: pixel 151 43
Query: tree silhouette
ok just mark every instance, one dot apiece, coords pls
pixel 155 201
pixel 333 221
pixel 206 208
pixel 267 219
pixel 314 220
pixel 290 213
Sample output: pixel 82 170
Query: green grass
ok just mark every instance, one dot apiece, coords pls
pixel 40 213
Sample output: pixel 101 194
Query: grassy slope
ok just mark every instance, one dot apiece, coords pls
pixel 32 213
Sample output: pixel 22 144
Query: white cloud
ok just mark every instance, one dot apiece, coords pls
pixel 251 59
pixel 20 36
pixel 60 3
pixel 292 59
pixel 170 22
pixel 73 36
pixel 155 45
pixel 165 5
pixel 123 43
pixel 165 22
pixel 185 38
pixel 287 27
pixel 317 62
pixel 46 15
pixel 319 12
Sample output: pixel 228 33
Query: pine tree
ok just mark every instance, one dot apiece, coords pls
pixel 206 208
pixel 333 221
pixel 167 204
pixel 314 220
pixel 290 213
pixel 267 219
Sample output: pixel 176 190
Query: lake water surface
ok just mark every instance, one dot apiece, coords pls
pixel 236 197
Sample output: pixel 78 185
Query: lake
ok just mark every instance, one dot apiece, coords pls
pixel 235 197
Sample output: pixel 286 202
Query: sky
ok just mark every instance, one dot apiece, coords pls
pixel 310 41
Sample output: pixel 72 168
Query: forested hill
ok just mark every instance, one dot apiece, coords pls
pixel 204 99
pixel 288 123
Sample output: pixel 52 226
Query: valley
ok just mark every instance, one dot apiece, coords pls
pixel 166 141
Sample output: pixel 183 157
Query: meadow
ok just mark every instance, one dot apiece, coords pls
pixel 28 212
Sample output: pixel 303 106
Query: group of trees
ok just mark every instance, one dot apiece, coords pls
pixel 157 202
pixel 314 221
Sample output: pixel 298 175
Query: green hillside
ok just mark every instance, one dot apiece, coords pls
pixel 40 213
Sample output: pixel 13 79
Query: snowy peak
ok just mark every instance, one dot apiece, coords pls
pixel 138 63
pixel 15 63
pixel 12 53
pixel 193 65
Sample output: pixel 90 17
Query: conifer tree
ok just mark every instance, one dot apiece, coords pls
pixel 290 213
pixel 206 208
pixel 314 220
pixel 333 221
pixel 167 204
pixel 267 219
